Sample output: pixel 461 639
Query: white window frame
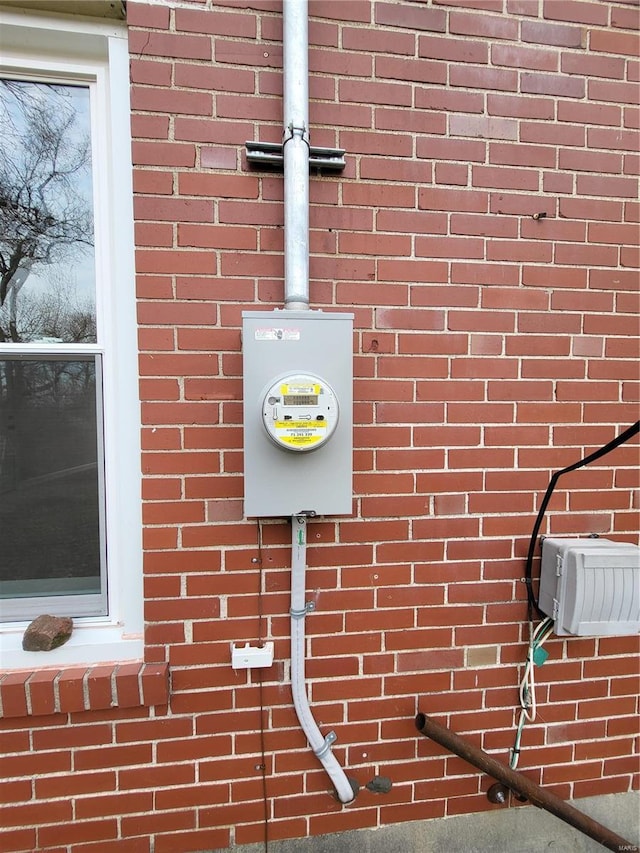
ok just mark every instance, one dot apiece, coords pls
pixel 83 50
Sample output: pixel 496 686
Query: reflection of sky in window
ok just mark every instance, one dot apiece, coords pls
pixel 70 278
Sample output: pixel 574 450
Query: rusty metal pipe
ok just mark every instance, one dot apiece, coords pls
pixel 522 786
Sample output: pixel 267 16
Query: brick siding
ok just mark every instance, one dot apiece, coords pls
pixel 485 235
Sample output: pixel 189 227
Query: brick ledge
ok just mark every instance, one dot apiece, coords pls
pixel 90 688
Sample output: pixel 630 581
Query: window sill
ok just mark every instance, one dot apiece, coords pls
pixel 93 641
pixel 39 692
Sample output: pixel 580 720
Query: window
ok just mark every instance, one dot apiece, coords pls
pixel 69 414
pixel 51 459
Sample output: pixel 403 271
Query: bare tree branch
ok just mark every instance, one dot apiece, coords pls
pixel 45 156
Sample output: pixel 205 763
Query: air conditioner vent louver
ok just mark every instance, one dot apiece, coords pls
pixel 591 587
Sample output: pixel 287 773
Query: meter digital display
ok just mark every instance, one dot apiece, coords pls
pixel 300 400
pixel 300 412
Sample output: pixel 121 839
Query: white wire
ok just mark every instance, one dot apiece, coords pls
pixel 527 687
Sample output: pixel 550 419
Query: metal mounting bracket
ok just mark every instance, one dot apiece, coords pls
pixel 269 155
pixel 326 746
pixel 309 607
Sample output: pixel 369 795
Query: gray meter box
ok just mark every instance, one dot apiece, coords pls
pixel 298 420
pixel 591 587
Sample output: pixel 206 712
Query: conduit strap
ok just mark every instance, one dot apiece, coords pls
pixel 300 614
pixel 300 131
pixel 326 746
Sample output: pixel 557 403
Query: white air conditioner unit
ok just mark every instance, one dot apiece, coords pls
pixel 590 587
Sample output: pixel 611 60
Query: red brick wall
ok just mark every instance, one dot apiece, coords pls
pixel 493 346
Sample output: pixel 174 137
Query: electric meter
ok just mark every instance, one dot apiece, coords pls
pixel 297 406
pixel 300 412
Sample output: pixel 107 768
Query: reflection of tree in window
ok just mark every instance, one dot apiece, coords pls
pixel 46 223
pixel 50 401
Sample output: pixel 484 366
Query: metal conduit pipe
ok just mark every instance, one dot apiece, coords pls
pixel 295 149
pixel 521 785
pixel 345 789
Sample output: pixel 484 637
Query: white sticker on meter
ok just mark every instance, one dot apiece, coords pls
pixel 300 412
pixel 279 334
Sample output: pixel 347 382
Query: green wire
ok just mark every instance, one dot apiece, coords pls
pixel 536 655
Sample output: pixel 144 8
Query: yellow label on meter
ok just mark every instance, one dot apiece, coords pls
pixel 300 425
pixel 300 440
pixel 300 433
pixel 299 388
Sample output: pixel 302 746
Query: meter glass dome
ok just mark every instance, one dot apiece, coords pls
pixel 300 412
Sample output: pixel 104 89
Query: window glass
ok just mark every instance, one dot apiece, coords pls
pixel 52 517
pixel 50 476
pixel 47 265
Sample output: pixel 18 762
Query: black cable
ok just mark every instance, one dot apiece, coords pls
pixel 263 768
pixel 532 601
pixel 263 759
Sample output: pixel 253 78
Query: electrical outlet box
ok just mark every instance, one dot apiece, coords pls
pixel 251 657
pixel 298 419
pixel 591 587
